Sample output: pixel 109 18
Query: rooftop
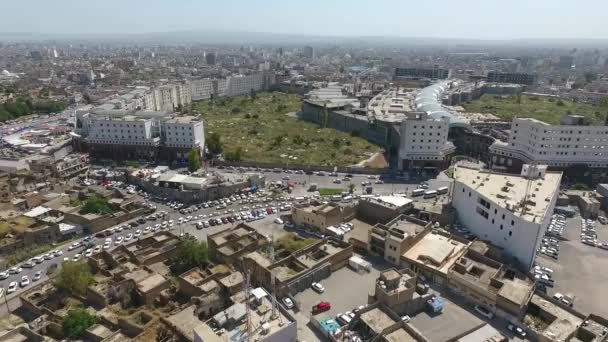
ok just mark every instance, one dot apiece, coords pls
pixel 510 191
pixel 377 320
pixel 436 250
pixel 552 321
pixel 399 335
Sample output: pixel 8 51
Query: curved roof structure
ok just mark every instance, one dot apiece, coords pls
pixel 429 100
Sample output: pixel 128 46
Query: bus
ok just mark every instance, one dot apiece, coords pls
pixel 442 190
pixel 430 194
pixel 417 192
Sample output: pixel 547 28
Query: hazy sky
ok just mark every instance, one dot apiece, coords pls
pixel 484 19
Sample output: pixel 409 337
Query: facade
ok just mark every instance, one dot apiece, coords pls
pixel 432 73
pixel 424 141
pixel 201 89
pixel 393 239
pixel 244 84
pixel 533 141
pixel 510 211
pixel 308 52
pixel 184 133
pixel 511 77
pixel 319 217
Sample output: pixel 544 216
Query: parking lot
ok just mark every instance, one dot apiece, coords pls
pixel 345 289
pixel 579 269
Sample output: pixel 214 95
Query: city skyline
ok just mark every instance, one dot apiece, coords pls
pixel 471 19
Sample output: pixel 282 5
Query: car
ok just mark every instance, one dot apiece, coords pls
pixel 147 230
pixel 12 287
pixel 74 246
pixel 321 307
pixel 288 302
pixel 337 181
pixel 88 252
pixel 97 249
pixel 484 312
pixel 128 237
pixel 58 252
pixel 405 319
pixel 318 287
pixel 516 330
pixel 37 276
pixel 137 233
pixel 76 257
pixel 4 275
pixel 25 281
pixel 48 256
pixel 15 270
pixel 107 245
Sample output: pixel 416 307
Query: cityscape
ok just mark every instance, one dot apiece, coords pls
pixel 171 179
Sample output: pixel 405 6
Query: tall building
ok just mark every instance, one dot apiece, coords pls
pixel 566 62
pixel 424 141
pixel 509 211
pixel 308 52
pixel 558 146
pixel 201 89
pixel 511 77
pixel 435 73
pixel 134 135
pixel 210 58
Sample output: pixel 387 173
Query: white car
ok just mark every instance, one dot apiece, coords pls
pixel 97 249
pixel 88 252
pixel 107 245
pixel 4 275
pixel 25 281
pixel 118 240
pixel 74 246
pixel 147 230
pixel 318 287
pixel 12 287
pixel 58 253
pixel 76 257
pixel 484 312
pixel 288 302
pixel 37 276
pixel 15 270
pixel 128 237
pixel 137 233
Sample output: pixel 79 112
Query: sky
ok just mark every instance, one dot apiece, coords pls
pixel 468 19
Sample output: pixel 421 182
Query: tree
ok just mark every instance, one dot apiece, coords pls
pixel 351 188
pixel 590 76
pixel 96 204
pixel 74 277
pixel 76 322
pixel 337 142
pixel 235 156
pixel 214 143
pixel 194 159
pixel 190 253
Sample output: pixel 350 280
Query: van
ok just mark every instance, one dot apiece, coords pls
pixel 442 190
pixel 430 194
pixel 417 192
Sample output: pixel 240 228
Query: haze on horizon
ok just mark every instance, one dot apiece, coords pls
pixel 465 19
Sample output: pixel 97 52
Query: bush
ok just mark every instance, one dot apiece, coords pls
pixel 96 204
pixel 76 322
pixel 560 103
pixel 74 277
pixel 236 110
pixel 191 253
pixel 292 243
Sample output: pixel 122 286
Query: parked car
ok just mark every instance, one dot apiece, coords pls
pixel 516 330
pixel 288 302
pixel 321 307
pixel 484 312
pixel 318 287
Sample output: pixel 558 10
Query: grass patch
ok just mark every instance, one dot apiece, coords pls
pixel 264 132
pixel 27 253
pixel 549 110
pixel 292 243
pixel 330 191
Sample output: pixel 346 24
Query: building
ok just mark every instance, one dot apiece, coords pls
pixel 135 135
pixel 424 142
pixel 435 73
pixel 566 62
pixel 558 146
pixel 210 58
pixel 308 52
pixel 71 165
pixel 228 246
pixel 318 216
pixel 396 289
pixel 245 84
pixel 547 321
pixel 201 89
pixel 510 211
pixel 511 77
pixel 393 239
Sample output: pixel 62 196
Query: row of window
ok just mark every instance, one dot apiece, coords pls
pixel 422 141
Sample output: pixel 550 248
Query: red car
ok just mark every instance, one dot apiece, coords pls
pixel 269 211
pixel 321 307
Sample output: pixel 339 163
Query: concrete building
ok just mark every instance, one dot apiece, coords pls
pixel 424 142
pixel 511 77
pixel 182 134
pixel 308 52
pixel 244 84
pixel 228 246
pixel 393 239
pixel 510 211
pixel 558 146
pixel 201 89
pixel 434 73
pixel 318 216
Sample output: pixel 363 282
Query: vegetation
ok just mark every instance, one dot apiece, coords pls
pixel 236 155
pixel 25 106
pixel 194 159
pixel 292 243
pixel 330 191
pixel 545 109
pixel 268 131
pixel 26 253
pixel 190 253
pixel 133 164
pixel 74 277
pixel 580 186
pixel 76 322
pixel 214 143
pixel 96 204
pixel 351 188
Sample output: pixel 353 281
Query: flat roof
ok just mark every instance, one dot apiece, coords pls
pixel 399 335
pixel 561 327
pixel 39 210
pixel 509 190
pixel 397 201
pixel 377 320
pixel 436 251
pixel 485 333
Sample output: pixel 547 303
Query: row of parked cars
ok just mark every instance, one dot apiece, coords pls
pixel 589 234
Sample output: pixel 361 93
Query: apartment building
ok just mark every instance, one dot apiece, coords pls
pixel 424 141
pixel 558 146
pixel 243 84
pixel 201 89
pixel 509 211
pixel 435 73
pixel 511 77
pixel 137 135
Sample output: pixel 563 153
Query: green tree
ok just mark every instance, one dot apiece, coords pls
pixel 190 253
pixel 214 143
pixel 337 142
pixel 235 156
pixel 235 110
pixel 74 277
pixel 298 140
pixel 351 188
pixel 76 322
pixel 194 159
pixel 96 204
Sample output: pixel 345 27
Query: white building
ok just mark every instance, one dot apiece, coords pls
pixel 509 211
pixel 424 141
pixel 185 132
pixel 533 141
pixel 124 130
pixel 201 89
pixel 243 84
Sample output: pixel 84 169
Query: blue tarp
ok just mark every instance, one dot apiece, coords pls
pixel 436 304
pixel 330 325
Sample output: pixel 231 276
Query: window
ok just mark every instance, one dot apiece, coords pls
pixel 510 233
pixel 501 227
pixel 512 222
pixel 482 212
pixel 503 216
